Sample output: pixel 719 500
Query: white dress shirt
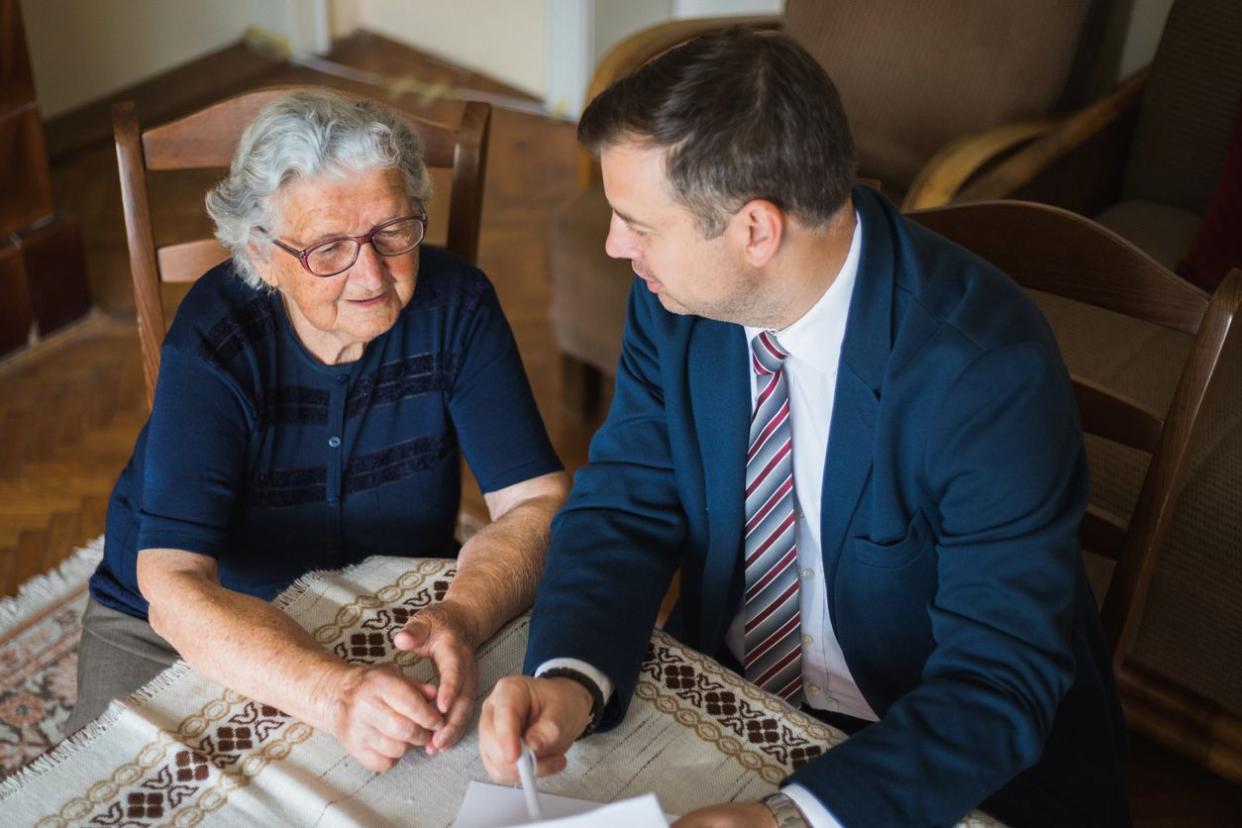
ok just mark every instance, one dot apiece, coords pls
pixel 814 347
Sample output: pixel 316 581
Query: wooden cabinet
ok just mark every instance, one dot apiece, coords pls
pixel 42 267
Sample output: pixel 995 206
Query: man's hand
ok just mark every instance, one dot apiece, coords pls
pixel 730 815
pixel 444 634
pixel 376 713
pixel 548 714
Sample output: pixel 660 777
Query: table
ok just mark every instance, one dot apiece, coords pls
pixel 184 751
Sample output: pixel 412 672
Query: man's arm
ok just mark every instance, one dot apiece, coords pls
pixel 618 540
pixel 614 548
pixel 250 646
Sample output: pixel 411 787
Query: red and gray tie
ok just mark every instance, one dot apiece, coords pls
pixel 773 618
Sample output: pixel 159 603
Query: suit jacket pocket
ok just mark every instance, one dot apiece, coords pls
pixel 898 553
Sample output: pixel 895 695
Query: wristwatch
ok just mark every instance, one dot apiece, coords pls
pixel 597 695
pixel 785 811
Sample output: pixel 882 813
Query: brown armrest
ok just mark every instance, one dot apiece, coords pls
pixel 642 46
pixel 944 175
pixel 1072 134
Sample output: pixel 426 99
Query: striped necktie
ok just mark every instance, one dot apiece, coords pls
pixel 773 618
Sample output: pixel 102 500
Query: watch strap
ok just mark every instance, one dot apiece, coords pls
pixel 784 811
pixel 597 695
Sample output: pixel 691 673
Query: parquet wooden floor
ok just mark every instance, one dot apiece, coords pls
pixel 72 406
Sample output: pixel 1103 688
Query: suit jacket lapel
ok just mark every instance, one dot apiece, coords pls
pixel 720 394
pixel 864 359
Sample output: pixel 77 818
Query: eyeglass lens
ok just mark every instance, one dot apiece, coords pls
pixel 337 255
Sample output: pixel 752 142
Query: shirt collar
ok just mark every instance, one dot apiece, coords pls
pixel 816 337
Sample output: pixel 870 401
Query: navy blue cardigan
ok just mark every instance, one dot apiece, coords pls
pixel 275 464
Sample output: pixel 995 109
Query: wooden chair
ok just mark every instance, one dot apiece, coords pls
pixel 208 138
pixel 1182 703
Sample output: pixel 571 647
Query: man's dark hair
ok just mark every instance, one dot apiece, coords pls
pixel 744 114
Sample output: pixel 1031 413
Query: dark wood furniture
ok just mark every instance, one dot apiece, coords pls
pixel 42 267
pixel 207 139
pixel 1052 250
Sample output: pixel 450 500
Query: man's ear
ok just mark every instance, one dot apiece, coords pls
pixel 261 261
pixel 762 226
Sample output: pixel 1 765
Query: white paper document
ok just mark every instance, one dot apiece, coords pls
pixel 496 806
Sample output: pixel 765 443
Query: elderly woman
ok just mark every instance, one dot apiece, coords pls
pixel 313 396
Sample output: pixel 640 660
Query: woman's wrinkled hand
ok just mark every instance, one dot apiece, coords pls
pixel 377 713
pixel 445 634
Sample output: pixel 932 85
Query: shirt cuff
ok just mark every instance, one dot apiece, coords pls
pixel 601 680
pixel 817 816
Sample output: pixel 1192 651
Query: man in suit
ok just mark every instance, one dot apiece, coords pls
pixel 859 444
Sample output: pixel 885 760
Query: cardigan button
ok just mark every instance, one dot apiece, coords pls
pixel 334 442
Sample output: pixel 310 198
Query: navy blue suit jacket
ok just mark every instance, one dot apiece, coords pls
pixel 953 486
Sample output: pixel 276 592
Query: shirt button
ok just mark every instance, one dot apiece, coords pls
pixel 334 442
pixel 807 641
pixel 808 574
pixel 333 500
pixel 341 379
pixel 813 689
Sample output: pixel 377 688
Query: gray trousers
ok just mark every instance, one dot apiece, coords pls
pixel 117 655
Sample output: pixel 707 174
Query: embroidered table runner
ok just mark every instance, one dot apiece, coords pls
pixel 184 751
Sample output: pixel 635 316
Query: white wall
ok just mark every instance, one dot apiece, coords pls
pixel 716 8
pixel 82 50
pixel 507 39
pixel 1143 34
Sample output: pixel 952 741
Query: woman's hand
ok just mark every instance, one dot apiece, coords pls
pixel 446 634
pixel 376 713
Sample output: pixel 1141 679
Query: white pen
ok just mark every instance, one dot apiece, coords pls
pixel 526 772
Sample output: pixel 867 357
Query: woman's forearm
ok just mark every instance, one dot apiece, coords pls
pixel 247 645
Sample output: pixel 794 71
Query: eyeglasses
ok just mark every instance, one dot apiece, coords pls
pixel 338 254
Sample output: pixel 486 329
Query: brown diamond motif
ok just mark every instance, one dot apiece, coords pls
pixel 191 766
pixel 679 677
pixel 234 738
pixel 362 645
pixel 799 756
pixel 760 731
pixel 721 704
pixel 145 805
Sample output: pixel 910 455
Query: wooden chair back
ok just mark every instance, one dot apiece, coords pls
pixel 207 139
pixel 1053 250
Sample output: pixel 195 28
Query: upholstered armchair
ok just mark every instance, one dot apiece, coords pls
pixel 1145 160
pixel 914 77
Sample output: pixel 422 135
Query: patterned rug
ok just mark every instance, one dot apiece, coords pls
pixel 39 631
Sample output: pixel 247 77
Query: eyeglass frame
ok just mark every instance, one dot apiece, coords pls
pixel 366 238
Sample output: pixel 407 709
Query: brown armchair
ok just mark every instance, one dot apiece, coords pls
pixel 913 77
pixel 1145 160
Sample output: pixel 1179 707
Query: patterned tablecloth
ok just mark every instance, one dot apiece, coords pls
pixel 184 750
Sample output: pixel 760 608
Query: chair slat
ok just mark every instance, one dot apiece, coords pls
pixel 185 262
pixel 207 138
pixel 1117 417
pixel 1102 532
pixel 1056 251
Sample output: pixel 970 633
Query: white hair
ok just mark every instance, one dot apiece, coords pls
pixel 304 135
